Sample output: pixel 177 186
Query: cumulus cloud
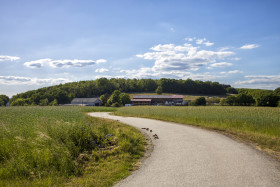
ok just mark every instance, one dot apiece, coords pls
pixel 17 80
pixel 249 46
pixel 170 57
pixel 62 63
pixel 220 65
pixel 37 63
pixel 101 70
pixel 260 81
pixel 8 58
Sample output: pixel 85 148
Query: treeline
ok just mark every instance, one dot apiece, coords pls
pixel 253 97
pixel 64 93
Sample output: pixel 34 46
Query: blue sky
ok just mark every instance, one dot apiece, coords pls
pixel 44 43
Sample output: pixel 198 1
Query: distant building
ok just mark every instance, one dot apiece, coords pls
pixel 86 101
pixel 157 100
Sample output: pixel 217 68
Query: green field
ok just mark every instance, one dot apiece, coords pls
pixel 46 146
pixel 257 125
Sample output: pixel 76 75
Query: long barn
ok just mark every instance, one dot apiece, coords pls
pixel 86 101
pixel 157 100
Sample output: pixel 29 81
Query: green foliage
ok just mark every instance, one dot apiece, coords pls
pixel 40 144
pixel 4 100
pixel 116 104
pixel 200 101
pixel 104 98
pixel 159 90
pixel 124 99
pixel 241 99
pixel 277 91
pixel 114 98
pixel 44 102
pixel 231 90
pixel 213 100
pixel 64 93
pixel 268 100
pixel 244 100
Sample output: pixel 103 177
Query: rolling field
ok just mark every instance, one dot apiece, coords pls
pixel 257 125
pixel 45 146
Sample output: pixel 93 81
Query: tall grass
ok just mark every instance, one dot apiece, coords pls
pixel 260 125
pixel 53 145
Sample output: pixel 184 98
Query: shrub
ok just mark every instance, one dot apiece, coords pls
pixel 116 104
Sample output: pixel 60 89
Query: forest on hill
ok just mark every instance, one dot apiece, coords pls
pixel 64 93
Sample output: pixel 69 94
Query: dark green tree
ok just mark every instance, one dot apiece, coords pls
pixel 268 100
pixel 124 99
pixel 4 100
pixel 200 101
pixel 244 100
pixel 159 90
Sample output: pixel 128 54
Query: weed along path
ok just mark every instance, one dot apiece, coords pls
pixel 190 156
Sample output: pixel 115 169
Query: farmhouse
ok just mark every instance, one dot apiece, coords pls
pixel 86 101
pixel 157 100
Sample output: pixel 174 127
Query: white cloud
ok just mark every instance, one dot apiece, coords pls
pixel 99 61
pixel 208 43
pixel 200 41
pixel 70 63
pixel 231 72
pixel 37 63
pixel 220 65
pixel 16 80
pixel 101 70
pixel 8 58
pixel 169 57
pixel 189 39
pixel 62 63
pixel 249 46
pixel 260 81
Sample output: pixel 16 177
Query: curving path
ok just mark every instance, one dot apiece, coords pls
pixel 190 156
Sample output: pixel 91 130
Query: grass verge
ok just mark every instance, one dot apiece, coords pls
pixel 46 146
pixel 259 126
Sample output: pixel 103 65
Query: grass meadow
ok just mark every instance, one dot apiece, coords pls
pixel 257 125
pixel 54 146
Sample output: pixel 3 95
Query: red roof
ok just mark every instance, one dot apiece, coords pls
pixel 158 97
pixel 143 100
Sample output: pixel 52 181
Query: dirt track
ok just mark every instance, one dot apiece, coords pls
pixel 189 156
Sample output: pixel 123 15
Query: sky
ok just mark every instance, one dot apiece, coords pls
pixel 48 42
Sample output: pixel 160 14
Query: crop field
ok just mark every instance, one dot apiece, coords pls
pixel 46 146
pixel 257 125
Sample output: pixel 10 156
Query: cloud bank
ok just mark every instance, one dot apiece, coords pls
pixel 262 81
pixel 17 80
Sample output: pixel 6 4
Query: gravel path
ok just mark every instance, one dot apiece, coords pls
pixel 190 156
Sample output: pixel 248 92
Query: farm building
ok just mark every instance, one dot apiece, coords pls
pixel 86 101
pixel 157 100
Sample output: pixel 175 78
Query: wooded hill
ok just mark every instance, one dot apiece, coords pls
pixel 64 93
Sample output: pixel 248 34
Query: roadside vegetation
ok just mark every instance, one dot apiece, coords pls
pixel 54 146
pixel 258 125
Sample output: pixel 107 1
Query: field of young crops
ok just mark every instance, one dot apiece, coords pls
pixel 61 145
pixel 260 125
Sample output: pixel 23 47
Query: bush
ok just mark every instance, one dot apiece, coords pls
pixel 268 100
pixel 116 104
pixel 200 101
